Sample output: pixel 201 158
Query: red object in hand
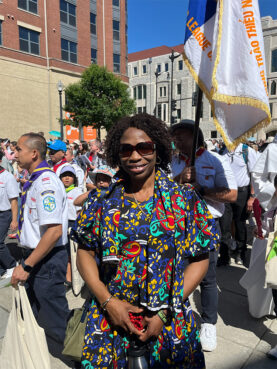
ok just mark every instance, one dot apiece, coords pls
pixel 136 320
pixel 258 216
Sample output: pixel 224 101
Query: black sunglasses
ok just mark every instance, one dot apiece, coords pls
pixel 143 148
pixel 52 152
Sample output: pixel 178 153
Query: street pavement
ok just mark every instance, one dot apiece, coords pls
pixel 242 340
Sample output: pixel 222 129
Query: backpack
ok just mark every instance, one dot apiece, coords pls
pixel 245 153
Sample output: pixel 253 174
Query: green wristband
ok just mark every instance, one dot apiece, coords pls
pixel 162 316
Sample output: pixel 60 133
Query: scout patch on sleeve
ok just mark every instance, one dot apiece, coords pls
pixel 47 192
pixel 49 203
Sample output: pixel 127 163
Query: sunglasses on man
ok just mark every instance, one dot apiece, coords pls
pixel 143 148
pixel 52 152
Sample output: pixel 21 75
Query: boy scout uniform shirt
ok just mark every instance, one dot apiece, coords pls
pixel 239 167
pixel 45 204
pixel 8 190
pixel 72 209
pixel 212 171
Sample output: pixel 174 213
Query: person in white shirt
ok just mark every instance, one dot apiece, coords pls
pixel 69 179
pixel 242 160
pixel 42 236
pixel 214 180
pixel 264 179
pixel 9 194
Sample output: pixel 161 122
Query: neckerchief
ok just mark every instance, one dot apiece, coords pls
pixel 56 166
pixel 180 227
pixel 68 189
pixel 187 159
pixel 2 169
pixel 41 168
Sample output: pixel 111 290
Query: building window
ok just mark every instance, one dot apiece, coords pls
pixel 274 61
pixel 93 23
pixel 273 88
pixel 68 13
pixel 144 69
pixel 158 69
pixel 69 51
pixel 135 71
pixel 162 91
pixel 29 41
pixel 29 5
pixel 180 64
pixel 0 32
pixel 160 111
pixel 164 112
pixel 139 92
pixel 144 109
pixel 271 108
pixel 93 53
pixel 116 30
pixel 213 134
pixel 116 3
pixel 178 113
pixel 116 63
pixel 179 88
pixel 166 67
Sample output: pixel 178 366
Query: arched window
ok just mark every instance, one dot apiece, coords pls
pixel 274 60
pixel 273 88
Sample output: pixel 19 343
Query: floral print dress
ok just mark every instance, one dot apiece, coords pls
pixel 143 263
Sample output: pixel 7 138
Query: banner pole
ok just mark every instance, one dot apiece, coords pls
pixel 196 125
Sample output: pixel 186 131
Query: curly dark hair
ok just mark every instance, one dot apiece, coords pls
pixel 152 126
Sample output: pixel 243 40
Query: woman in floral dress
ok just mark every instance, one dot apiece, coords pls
pixel 142 231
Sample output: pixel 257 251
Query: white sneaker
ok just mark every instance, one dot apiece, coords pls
pixel 208 337
pixel 5 279
pixel 272 354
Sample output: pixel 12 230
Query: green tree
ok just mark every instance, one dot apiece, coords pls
pixel 98 99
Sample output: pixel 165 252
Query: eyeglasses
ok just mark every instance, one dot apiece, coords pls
pixel 143 148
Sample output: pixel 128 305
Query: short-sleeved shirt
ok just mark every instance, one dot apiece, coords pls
pixel 238 165
pixel 8 190
pixel 45 204
pixel 72 209
pixel 212 171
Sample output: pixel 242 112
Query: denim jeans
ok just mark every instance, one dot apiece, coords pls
pixel 46 292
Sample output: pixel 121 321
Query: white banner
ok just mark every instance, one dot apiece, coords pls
pixel 224 51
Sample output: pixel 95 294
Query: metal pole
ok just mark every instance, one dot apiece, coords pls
pixel 171 88
pixel 196 126
pixel 61 115
pixel 157 75
pixel 172 57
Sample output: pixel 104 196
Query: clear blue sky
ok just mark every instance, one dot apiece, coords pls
pixel 154 23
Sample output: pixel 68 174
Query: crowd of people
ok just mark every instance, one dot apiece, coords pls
pixel 150 227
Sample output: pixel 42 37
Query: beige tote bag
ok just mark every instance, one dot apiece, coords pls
pixel 271 259
pixel 77 280
pixel 24 344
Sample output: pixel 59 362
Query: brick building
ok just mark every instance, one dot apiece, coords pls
pixel 43 42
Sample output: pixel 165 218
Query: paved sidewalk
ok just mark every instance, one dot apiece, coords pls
pixel 242 340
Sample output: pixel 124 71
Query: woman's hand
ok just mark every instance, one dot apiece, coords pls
pixel 154 327
pixel 118 312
